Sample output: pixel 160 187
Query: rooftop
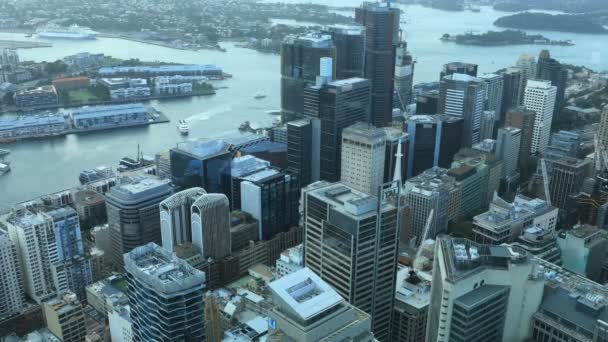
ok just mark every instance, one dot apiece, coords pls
pixel 345 199
pixel 261 175
pixel 413 289
pixel 462 78
pixel 204 149
pixel 111 110
pixel 32 121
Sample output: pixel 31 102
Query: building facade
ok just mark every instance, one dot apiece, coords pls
pixel 12 298
pixel 540 97
pixel 176 217
pixel 464 96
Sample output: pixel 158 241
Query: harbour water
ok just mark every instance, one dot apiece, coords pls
pixel 44 166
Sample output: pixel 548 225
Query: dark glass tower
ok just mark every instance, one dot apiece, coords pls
pixel 299 150
pixel 550 69
pixel 350 50
pixel 382 35
pixel 511 90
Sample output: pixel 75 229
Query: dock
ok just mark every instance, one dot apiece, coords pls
pixel 16 44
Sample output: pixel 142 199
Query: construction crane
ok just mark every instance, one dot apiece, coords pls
pixel 543 167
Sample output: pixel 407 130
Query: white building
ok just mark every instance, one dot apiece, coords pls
pixel 540 97
pixel 363 152
pixel 120 324
pixel 527 65
pixel 290 261
pixel 170 85
pixel 12 296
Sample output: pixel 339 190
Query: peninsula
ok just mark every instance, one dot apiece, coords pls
pixel 500 38
pixel 579 23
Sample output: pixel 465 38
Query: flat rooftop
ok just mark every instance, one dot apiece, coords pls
pixel 111 110
pixel 204 149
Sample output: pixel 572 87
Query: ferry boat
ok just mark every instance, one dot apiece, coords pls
pixel 183 127
pixel 71 32
pixel 4 167
pixel 259 96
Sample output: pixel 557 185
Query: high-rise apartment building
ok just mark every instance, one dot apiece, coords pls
pixel 523 119
pixel 433 141
pixel 404 77
pixel 338 222
pixel 363 153
pixel 350 50
pixel 464 96
pixel 211 226
pixel 551 70
pixel 12 298
pixel 176 217
pixel 494 85
pixel 458 68
pixel 166 296
pixel 381 24
pixel 508 143
pixel 332 107
pixel 308 309
pixel 540 98
pixel 300 63
pixel 134 214
pixel 64 317
pixel 566 179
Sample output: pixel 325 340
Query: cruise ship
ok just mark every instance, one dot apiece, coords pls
pixel 71 32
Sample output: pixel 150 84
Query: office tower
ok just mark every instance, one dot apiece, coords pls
pixel 165 296
pixel 271 196
pixel 202 164
pixel 363 152
pixel 494 85
pixel 458 68
pixel 433 190
pixel 488 121
pixel 473 176
pixel 562 144
pixel 299 150
pixel 91 208
pixel 338 221
pixel 463 96
pixel 527 65
pixel 541 243
pixel 512 90
pixel 523 119
pixel 508 144
pixel 540 98
pixel 584 250
pixel 566 179
pixel 551 70
pixel 427 103
pixel 433 141
pixel 300 63
pixel 332 107
pixel 176 219
pixel 404 77
pixel 481 292
pixel 411 305
pixel 64 317
pixel 308 309
pixel 12 299
pixel 242 167
pixel 602 132
pixel 134 214
pixel 211 226
pixel 504 222
pixel 395 157
pixel 350 50
pixel 381 37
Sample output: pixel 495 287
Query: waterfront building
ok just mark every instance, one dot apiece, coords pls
pixel 210 71
pixel 176 217
pixel 458 68
pixel 64 317
pixel 71 83
pixel 494 85
pixel 271 197
pixel 540 97
pixel 134 215
pixel 33 126
pixel 104 117
pixel 350 50
pixel 83 61
pixel 583 250
pixel 404 77
pixel 290 261
pixel 508 145
pixel 211 226
pixel 308 309
pixel 166 296
pixel 523 119
pixel 338 220
pixel 38 97
pixel 482 292
pixel 125 88
pixel 464 96
pixel 300 65
pixel 382 36
pixel 12 298
pixel 551 70
pixel 203 164
pixel 488 121
pixel 567 178
pixel 512 90
pixel 433 190
pixel 172 85
pixel 427 103
pixel 433 141
pixel 363 153
pixel 504 222
pixel 332 107
pixel 412 297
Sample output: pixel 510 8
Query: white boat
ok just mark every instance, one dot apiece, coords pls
pixel 4 167
pixel 183 127
pixel 71 32
pixel 259 96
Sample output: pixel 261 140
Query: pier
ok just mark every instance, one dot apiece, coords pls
pixel 15 44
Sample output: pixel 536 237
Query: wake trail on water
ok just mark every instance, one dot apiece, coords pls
pixel 206 115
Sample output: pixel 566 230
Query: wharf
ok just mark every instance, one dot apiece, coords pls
pixel 15 44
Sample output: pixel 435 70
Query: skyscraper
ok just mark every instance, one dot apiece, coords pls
pixel 382 35
pixel 299 150
pixel 166 296
pixel 602 132
pixel 427 103
pixel 494 85
pixel 332 107
pixel 523 119
pixel 508 144
pixel 404 77
pixel 134 214
pixel 338 222
pixel 458 68
pixel 540 98
pixel 12 299
pixel 433 141
pixel 551 70
pixel 487 125
pixel 363 153
pixel 176 218
pixel 464 96
pixel 211 226
pixel 566 179
pixel 350 50
pixel 527 65
pixel 64 317
pixel 512 90
pixel 300 63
